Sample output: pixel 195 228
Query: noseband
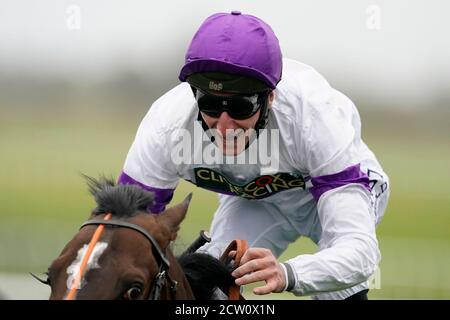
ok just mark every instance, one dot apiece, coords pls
pixel 163 274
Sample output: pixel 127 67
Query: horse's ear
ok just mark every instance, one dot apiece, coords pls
pixel 173 216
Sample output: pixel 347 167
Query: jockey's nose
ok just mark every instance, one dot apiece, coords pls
pixel 225 122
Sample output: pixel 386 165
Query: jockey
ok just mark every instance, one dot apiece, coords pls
pixel 282 149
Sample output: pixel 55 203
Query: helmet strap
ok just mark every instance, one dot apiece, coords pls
pixel 263 117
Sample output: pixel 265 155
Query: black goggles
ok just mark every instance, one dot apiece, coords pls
pixel 239 107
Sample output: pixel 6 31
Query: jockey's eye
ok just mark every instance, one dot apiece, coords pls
pixel 133 293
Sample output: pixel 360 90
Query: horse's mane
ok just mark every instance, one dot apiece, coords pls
pixel 204 272
pixel 121 200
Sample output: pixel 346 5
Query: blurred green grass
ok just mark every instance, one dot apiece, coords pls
pixel 44 199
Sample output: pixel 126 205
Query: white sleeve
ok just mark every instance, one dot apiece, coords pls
pixel 148 160
pixel 349 250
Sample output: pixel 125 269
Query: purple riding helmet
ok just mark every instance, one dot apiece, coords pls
pixel 234 53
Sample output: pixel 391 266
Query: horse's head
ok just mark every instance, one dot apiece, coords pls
pixel 129 256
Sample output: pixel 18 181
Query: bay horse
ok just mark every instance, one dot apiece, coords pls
pixel 131 259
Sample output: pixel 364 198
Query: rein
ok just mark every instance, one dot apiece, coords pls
pixel 240 246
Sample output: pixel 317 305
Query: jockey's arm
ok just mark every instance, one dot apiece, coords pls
pixel 348 252
pixel 148 161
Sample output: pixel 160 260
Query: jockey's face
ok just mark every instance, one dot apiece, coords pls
pixel 232 135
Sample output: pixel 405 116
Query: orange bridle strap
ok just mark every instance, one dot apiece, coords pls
pixel 76 281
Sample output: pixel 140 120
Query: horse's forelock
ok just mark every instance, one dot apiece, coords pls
pixel 122 200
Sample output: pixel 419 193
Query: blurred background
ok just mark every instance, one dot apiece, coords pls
pixel 76 78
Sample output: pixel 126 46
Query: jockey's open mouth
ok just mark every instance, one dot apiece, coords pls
pixel 234 141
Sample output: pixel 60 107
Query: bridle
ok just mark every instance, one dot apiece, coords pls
pixel 163 276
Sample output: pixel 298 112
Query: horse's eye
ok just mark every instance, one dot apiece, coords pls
pixel 133 293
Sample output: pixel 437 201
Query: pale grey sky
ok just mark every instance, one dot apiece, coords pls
pixel 406 58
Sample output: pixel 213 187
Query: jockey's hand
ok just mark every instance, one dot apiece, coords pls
pixel 259 264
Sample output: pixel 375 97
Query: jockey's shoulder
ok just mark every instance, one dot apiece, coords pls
pixel 174 109
pixel 301 81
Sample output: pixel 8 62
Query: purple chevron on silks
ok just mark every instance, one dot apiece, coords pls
pixel 352 174
pixel 162 196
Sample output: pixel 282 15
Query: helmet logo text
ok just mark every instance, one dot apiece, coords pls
pixel 215 86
